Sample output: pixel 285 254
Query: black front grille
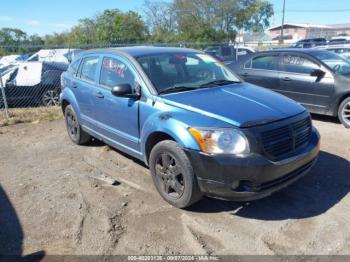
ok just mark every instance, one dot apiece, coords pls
pixel 286 139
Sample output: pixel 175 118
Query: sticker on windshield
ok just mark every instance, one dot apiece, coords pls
pixel 207 58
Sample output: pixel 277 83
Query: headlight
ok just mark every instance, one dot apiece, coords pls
pixel 221 141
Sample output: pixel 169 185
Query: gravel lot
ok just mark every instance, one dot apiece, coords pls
pixel 52 200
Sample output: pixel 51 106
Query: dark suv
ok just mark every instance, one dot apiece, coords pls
pixel 228 53
pixel 310 42
pixel 317 79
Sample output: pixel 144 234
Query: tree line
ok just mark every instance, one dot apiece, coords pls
pixel 158 21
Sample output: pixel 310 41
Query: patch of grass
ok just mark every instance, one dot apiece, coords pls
pixel 30 115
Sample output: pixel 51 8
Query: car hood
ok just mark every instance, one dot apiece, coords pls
pixel 242 104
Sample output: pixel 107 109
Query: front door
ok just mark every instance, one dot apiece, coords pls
pixel 117 116
pixel 297 82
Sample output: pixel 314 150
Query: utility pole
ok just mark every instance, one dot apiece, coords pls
pixel 282 26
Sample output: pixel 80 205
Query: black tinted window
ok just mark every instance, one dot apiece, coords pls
pixel 226 51
pixel 88 69
pixel 298 64
pixel 73 68
pixel 115 72
pixel 267 62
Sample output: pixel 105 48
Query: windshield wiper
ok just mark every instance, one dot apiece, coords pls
pixel 219 83
pixel 174 89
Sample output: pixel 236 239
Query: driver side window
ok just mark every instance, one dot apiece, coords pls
pixel 115 72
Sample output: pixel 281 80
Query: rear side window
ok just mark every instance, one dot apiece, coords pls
pixel 114 72
pixel 298 64
pixel 226 51
pixel 73 68
pixel 88 68
pixel 268 62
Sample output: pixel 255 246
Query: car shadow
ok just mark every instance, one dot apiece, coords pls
pixel 11 234
pixel 324 118
pixel 99 143
pixel 326 185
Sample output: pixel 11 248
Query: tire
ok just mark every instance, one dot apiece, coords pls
pixel 75 132
pixel 50 97
pixel 173 175
pixel 344 112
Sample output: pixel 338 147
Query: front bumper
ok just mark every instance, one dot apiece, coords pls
pixel 252 177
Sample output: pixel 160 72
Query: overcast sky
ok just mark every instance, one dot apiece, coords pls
pixel 48 16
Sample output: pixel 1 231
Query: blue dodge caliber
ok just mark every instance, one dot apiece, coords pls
pixel 198 127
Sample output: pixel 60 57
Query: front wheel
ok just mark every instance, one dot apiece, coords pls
pixel 344 112
pixel 173 174
pixel 75 132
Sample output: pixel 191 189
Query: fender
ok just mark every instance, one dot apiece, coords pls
pixel 67 94
pixel 168 123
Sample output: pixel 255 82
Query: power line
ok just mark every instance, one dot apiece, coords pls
pixel 314 11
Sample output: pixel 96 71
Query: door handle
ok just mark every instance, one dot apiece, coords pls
pixel 245 74
pixel 74 85
pixel 287 79
pixel 99 95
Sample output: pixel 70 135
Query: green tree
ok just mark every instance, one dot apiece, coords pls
pixel 206 20
pixel 35 40
pixel 114 26
pixel 196 19
pixel 160 20
pixel 56 39
pixel 255 16
pixel 12 36
pixel 84 32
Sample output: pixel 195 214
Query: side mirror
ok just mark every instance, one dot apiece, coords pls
pixel 124 90
pixel 318 73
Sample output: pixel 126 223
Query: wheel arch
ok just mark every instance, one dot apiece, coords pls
pixel 170 129
pixel 64 104
pixel 68 98
pixel 340 100
pixel 153 139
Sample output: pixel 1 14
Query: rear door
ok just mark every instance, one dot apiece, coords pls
pixel 297 83
pixel 262 70
pixel 84 89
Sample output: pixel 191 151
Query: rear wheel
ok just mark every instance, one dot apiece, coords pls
pixel 344 112
pixel 75 132
pixel 173 174
pixel 50 98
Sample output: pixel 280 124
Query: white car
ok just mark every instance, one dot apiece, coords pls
pixel 9 60
pixel 54 55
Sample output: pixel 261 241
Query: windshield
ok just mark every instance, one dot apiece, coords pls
pixel 338 64
pixel 177 72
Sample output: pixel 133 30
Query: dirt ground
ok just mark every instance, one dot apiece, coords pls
pixel 51 200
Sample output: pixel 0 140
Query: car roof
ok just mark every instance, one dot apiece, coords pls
pixel 138 51
pixel 296 50
pixel 312 39
pixel 333 47
pixel 309 51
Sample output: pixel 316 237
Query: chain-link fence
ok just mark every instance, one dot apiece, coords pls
pixel 27 85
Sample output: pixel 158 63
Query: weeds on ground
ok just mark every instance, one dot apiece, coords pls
pixel 30 115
